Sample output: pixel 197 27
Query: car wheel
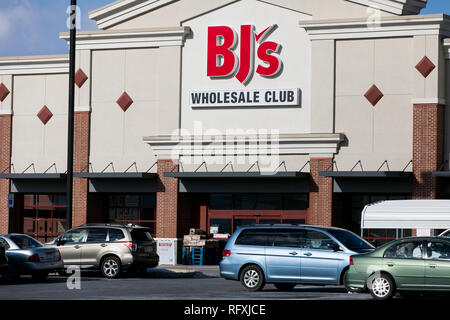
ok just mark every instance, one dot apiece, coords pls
pixel 40 276
pixel 110 267
pixel 381 287
pixel 252 278
pixel 285 286
pixel 62 273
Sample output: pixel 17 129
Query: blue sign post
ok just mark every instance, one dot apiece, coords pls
pixel 11 200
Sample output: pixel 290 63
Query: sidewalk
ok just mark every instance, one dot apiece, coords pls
pixel 189 267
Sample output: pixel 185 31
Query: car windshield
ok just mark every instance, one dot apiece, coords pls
pixel 350 240
pixel 445 233
pixel 25 242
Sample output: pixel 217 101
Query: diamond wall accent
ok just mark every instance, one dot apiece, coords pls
pixel 45 115
pixel 4 92
pixel 80 78
pixel 425 66
pixel 125 101
pixel 374 95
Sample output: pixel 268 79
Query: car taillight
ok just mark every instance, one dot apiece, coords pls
pixel 351 260
pixel 131 245
pixel 226 253
pixel 34 258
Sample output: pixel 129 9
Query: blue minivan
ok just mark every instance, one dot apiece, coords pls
pixel 287 255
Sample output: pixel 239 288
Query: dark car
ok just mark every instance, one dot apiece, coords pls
pixel 3 260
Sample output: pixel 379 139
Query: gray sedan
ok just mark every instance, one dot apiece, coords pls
pixel 27 256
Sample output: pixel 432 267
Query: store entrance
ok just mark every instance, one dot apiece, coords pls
pixel 227 212
pixel 44 216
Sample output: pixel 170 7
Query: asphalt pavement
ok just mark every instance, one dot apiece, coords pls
pixel 164 283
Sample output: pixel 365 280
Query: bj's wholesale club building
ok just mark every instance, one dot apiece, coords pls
pixel 214 114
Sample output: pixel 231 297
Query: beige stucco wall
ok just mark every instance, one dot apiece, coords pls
pixel 433 86
pixel 322 86
pixel 243 163
pixel 150 77
pixel 383 132
pixel 83 94
pixel 32 141
pixel 295 56
pixel 174 14
pixel 340 9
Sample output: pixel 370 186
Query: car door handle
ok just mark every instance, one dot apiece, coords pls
pixel 308 254
pixel 77 247
pixel 432 266
pixel 293 253
pixel 103 245
pixel 390 264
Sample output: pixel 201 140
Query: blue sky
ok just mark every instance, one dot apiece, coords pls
pixel 31 27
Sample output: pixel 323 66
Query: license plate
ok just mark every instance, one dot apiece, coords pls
pixel 49 257
pixel 148 249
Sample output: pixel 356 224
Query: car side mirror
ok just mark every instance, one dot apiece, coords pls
pixel 60 242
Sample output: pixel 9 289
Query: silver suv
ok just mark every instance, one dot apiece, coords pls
pixel 109 247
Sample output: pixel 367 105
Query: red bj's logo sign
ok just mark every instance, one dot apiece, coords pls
pixel 223 61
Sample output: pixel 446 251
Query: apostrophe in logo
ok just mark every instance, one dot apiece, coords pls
pixel 223 61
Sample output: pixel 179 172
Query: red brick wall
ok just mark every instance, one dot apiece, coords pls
pixel 167 201
pixel 321 193
pixel 428 149
pixel 80 162
pixel 5 162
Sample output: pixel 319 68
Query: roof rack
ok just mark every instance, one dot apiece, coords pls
pixel 113 224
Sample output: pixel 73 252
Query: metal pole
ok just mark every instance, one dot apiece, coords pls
pixel 69 187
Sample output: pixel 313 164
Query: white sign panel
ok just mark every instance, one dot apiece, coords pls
pixel 244 98
pixel 167 251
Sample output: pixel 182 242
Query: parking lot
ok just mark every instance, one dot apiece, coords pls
pixel 164 283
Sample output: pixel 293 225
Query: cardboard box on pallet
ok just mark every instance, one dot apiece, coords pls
pixel 194 240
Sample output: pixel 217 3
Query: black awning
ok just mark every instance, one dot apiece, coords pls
pixel 441 174
pixel 115 175
pixel 237 175
pixel 365 174
pixel 33 176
